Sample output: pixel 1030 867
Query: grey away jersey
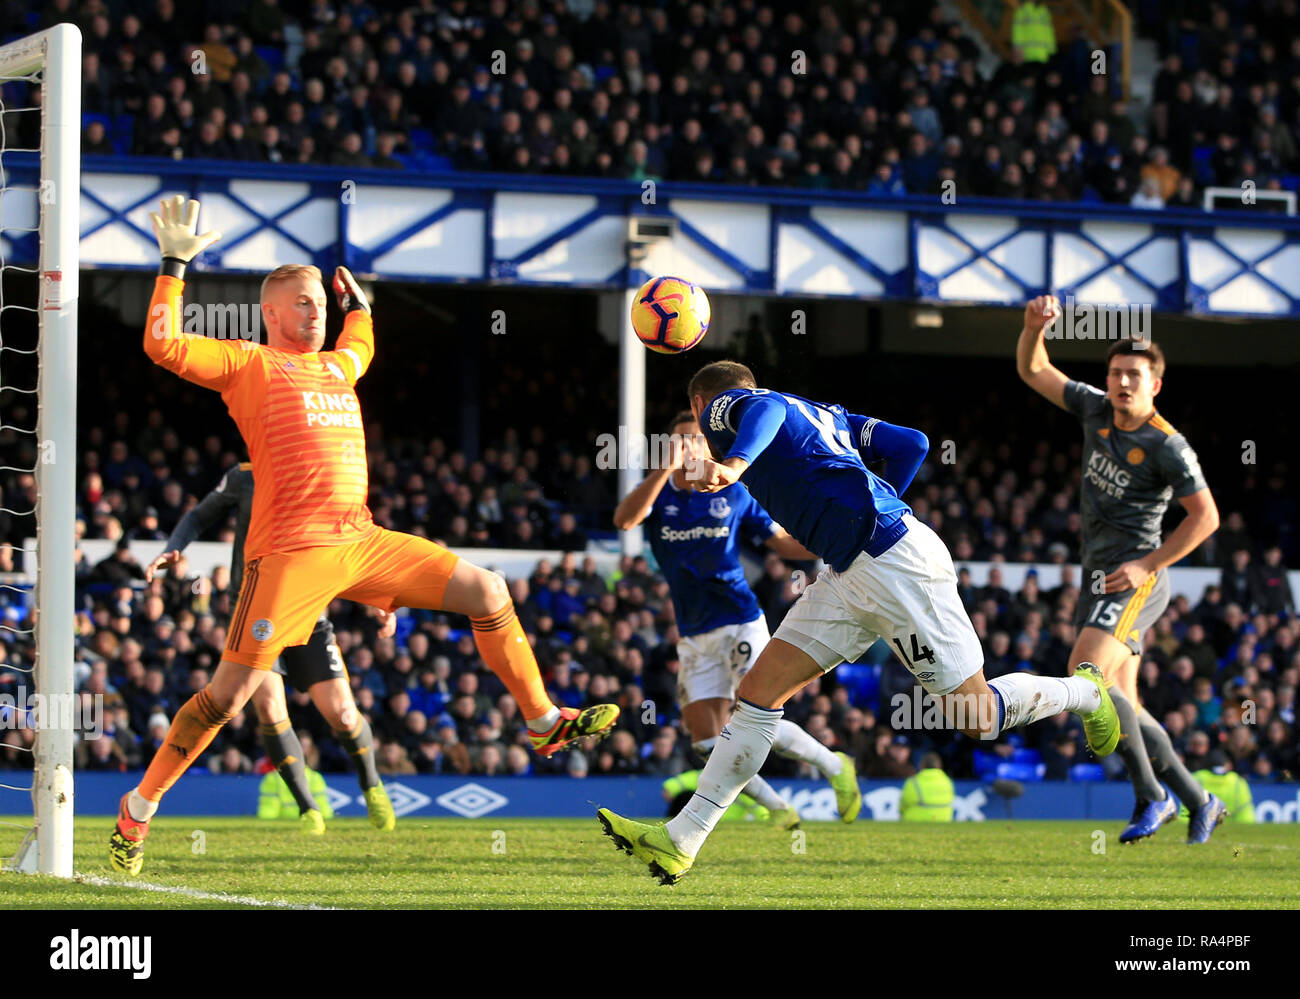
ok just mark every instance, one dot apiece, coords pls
pixel 233 492
pixel 1129 477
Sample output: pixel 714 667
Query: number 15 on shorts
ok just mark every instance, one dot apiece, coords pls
pixel 1105 614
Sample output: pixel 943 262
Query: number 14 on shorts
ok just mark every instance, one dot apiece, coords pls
pixel 919 652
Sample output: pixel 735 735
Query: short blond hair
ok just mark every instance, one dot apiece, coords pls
pixel 286 271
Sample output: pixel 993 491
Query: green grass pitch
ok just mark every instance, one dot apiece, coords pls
pixel 567 863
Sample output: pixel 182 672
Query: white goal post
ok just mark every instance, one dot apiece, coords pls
pixel 52 60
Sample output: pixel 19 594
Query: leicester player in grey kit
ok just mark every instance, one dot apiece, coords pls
pixel 1134 463
pixel 316 667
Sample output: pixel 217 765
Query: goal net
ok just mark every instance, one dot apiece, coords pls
pixel 40 194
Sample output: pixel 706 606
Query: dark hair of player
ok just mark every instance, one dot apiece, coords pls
pixel 684 416
pixel 718 377
pixel 1140 348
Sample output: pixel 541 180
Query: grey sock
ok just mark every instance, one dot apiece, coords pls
pixel 1168 765
pixel 1133 752
pixel 360 745
pixel 285 752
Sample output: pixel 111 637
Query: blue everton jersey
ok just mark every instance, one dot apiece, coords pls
pixel 694 537
pixel 812 476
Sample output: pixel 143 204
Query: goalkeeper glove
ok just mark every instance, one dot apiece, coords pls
pixel 176 236
pixel 348 293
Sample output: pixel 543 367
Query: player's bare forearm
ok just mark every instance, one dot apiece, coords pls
pixel 1032 363
pixel 787 547
pixel 636 505
pixel 1200 522
pixel 1031 352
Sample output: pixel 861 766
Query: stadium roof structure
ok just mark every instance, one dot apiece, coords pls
pixel 564 232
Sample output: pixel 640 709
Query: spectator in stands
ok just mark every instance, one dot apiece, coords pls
pixel 1270 586
pixel 665 759
pixel 94 141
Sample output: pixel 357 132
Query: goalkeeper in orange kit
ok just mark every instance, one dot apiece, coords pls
pixel 311 537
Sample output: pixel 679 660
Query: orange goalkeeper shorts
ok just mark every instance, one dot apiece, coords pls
pixel 284 593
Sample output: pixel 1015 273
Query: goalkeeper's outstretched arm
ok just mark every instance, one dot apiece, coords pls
pixel 206 362
pixel 356 344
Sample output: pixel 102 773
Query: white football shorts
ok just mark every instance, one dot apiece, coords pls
pixel 907 596
pixel 713 662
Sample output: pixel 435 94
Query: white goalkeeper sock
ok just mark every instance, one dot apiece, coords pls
pixel 1027 698
pixel 546 722
pixel 141 808
pixel 794 743
pixel 740 750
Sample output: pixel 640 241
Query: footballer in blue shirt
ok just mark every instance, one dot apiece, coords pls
pixel 889 577
pixel 695 538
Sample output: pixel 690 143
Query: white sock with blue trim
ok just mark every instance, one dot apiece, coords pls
pixel 758 789
pixel 794 743
pixel 1027 698
pixel 740 751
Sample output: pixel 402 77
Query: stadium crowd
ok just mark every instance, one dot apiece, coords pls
pixel 435 708
pixel 852 96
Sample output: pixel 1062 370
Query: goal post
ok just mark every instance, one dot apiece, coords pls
pixel 51 60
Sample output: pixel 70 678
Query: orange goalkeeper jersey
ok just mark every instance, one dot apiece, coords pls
pixel 298 415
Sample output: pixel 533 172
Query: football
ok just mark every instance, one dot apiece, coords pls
pixel 670 314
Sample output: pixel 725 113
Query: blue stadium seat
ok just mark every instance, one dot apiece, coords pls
pixel 1201 169
pixel 273 55
pixel 123 133
pixel 421 140
pixel 1087 771
pixel 405 625
pixel 1023 772
pixel 985 763
pixel 1032 756
pixel 862 680
pixel 87 117
pixel 1015 740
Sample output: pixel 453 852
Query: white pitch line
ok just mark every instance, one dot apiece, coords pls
pixel 215 896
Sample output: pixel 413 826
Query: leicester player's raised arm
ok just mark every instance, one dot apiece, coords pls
pixel 356 344
pixel 1032 363
pixel 210 510
pixel 902 449
pixel 204 361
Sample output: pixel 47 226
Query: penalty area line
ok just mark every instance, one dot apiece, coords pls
pixel 195 893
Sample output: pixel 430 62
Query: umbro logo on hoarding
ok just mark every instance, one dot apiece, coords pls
pixel 469 800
